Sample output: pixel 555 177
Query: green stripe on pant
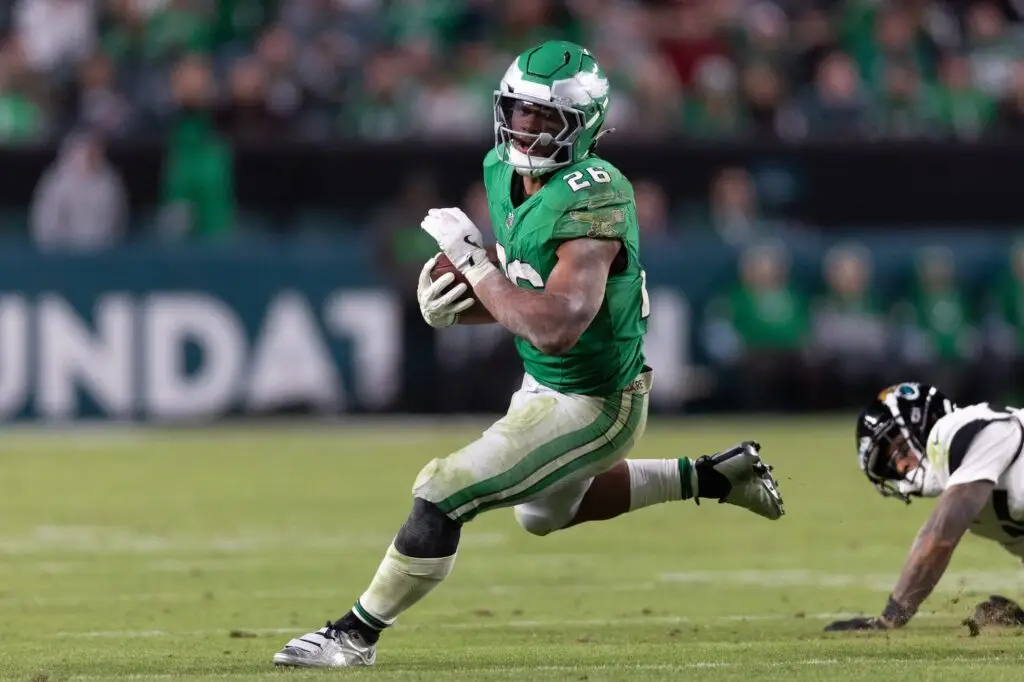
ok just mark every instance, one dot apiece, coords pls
pixel 610 449
pixel 535 460
pixel 559 459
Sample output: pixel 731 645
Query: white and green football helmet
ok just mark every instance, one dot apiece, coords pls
pixel 559 76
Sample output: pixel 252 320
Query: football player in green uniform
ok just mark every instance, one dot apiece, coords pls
pixel 912 441
pixel 571 289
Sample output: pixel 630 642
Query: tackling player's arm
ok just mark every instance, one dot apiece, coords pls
pixel 553 320
pixel 958 506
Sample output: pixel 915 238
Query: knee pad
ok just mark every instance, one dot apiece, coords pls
pixel 554 511
pixel 428 532
pixel 535 519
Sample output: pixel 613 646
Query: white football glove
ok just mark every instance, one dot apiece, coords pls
pixel 440 308
pixel 460 240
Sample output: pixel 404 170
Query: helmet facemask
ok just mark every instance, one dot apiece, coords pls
pixel 878 453
pixel 878 462
pixel 551 142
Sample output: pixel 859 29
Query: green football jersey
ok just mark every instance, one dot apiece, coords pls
pixel 590 199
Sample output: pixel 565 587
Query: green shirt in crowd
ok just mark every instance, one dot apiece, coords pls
pixel 199 174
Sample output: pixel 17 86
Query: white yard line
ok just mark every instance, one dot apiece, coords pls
pixel 326 595
pixel 79 540
pixel 975 581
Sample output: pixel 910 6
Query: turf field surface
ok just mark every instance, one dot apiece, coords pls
pixel 196 554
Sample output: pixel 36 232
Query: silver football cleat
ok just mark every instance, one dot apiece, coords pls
pixel 327 648
pixel 751 481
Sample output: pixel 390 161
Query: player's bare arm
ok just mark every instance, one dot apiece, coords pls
pixel 553 320
pixel 958 506
pixel 929 557
pixel 475 315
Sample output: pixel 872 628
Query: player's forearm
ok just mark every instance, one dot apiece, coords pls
pixel 934 547
pixel 551 323
pixel 929 559
pixel 478 314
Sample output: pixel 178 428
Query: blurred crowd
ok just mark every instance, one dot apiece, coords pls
pixel 795 327
pixel 393 69
pixel 827 337
pixel 202 76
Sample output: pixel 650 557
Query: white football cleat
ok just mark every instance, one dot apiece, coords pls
pixel 327 648
pixel 750 481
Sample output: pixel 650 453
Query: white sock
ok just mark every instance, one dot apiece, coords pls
pixel 401 581
pixel 653 481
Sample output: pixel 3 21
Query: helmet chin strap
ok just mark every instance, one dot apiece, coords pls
pixel 914 484
pixel 531 166
pixel 531 172
pixel 920 483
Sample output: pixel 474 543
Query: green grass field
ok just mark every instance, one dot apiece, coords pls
pixel 195 555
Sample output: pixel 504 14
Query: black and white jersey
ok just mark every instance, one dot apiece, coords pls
pixel 983 442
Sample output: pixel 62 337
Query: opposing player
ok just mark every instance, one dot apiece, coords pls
pixel 913 441
pixel 571 290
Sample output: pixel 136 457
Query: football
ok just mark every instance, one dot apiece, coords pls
pixel 443 266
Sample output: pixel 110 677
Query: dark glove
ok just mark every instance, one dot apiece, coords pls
pixel 873 623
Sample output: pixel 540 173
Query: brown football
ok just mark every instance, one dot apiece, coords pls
pixel 443 265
